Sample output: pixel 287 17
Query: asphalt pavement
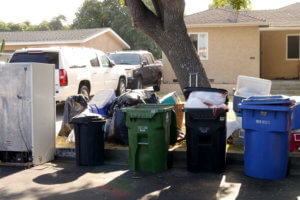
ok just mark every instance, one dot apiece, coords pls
pixel 62 179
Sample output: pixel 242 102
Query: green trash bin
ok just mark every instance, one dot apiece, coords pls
pixel 149 136
pixel 173 124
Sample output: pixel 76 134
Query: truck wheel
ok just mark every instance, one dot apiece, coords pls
pixel 139 83
pixel 84 90
pixel 156 87
pixel 121 87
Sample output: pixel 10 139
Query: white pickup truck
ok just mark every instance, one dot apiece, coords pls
pixel 78 70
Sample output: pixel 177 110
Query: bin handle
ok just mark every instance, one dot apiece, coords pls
pixel 296 140
pixel 143 143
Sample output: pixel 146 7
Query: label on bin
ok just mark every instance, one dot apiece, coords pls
pixel 142 128
pixel 204 129
pixel 265 122
pixel 263 113
pixel 153 111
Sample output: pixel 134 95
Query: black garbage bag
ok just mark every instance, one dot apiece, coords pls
pixel 132 98
pixel 74 105
pixel 118 131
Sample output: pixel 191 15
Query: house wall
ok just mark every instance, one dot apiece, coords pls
pixel 232 51
pixel 105 42
pixel 273 56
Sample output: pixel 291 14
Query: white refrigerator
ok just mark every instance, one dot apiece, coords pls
pixel 28 110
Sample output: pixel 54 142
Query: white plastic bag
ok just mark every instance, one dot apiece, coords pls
pixel 71 137
pixel 202 99
pixel 232 126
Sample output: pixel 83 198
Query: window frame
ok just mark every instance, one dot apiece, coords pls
pixel 286 48
pixel 198 38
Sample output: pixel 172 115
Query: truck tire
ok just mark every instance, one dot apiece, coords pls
pixel 84 90
pixel 121 87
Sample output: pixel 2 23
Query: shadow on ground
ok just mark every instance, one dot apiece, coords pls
pixel 69 174
pixel 179 184
pixel 9 170
pixel 172 184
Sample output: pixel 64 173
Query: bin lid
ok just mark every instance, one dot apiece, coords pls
pixel 268 100
pixel 265 107
pixel 146 110
pixel 87 118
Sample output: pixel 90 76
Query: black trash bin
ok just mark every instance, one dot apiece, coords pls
pixel 206 135
pixel 89 140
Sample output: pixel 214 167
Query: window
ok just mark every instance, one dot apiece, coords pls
pixel 150 59
pixel 95 62
pixel 104 61
pixel 144 59
pixel 43 57
pixel 200 42
pixel 125 58
pixel 293 47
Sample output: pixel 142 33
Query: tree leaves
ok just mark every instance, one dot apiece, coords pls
pixel 56 23
pixel 110 13
pixel 236 4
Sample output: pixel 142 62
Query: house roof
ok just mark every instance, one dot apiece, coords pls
pixel 57 37
pixel 221 16
pixel 285 16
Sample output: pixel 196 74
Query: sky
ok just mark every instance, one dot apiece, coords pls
pixel 36 11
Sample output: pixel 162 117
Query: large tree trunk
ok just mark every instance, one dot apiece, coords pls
pixel 168 30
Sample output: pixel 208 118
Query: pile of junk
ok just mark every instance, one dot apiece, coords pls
pixel 105 105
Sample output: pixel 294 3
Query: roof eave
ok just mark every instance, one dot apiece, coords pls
pixel 43 42
pixel 225 25
pixel 279 28
pixel 115 35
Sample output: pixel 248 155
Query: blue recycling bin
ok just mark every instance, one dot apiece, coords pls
pixel 266 121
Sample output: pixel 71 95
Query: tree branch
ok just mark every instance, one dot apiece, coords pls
pixel 143 18
pixel 158 8
pixel 173 13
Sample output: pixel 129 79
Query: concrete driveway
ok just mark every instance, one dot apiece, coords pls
pixel 62 179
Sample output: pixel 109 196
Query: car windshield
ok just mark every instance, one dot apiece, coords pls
pixel 44 57
pixel 125 58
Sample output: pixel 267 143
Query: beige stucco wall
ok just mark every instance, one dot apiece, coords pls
pixel 105 42
pixel 273 58
pixel 232 51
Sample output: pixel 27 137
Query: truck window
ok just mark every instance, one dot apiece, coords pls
pixel 125 58
pixel 94 61
pixel 43 57
pixel 150 58
pixel 104 61
pixel 144 59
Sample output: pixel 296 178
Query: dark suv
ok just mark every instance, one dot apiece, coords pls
pixel 141 68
